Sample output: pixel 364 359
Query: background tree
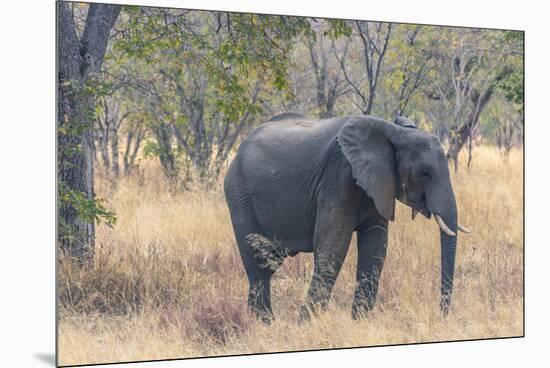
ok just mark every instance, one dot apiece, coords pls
pixel 201 76
pixel 323 48
pixel 110 117
pixel 503 125
pixel 473 64
pixel 374 39
pixel 409 60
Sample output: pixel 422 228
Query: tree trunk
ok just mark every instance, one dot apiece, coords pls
pixel 165 154
pixel 103 140
pixel 78 61
pixel 319 64
pixel 126 156
pixel 114 153
pixel 133 142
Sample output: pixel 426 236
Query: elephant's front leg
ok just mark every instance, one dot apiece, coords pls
pixel 331 246
pixel 371 243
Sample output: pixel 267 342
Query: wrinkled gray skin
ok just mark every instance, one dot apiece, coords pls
pixel 304 185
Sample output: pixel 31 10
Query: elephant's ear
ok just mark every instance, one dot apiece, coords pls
pixel 364 142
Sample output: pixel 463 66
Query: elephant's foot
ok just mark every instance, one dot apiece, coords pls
pixel 266 318
pixel 305 315
pixel 311 310
pixel 359 313
pixel 361 308
pixel 263 315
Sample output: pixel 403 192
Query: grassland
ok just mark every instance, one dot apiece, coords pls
pixel 167 281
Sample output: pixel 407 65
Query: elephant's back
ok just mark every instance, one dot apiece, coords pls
pixel 285 149
pixel 294 132
pixel 293 142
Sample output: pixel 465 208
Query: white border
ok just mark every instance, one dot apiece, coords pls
pixel 28 173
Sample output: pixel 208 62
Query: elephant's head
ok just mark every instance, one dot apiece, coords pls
pixel 399 161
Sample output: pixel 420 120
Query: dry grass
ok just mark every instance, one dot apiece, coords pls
pixel 168 282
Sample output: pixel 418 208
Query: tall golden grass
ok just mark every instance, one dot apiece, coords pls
pixel 167 281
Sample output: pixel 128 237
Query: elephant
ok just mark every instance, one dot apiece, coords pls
pixel 303 185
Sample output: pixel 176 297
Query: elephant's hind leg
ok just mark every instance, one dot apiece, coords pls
pixel 261 257
pixel 259 294
pixel 258 269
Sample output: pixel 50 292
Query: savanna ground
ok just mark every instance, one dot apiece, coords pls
pixel 167 280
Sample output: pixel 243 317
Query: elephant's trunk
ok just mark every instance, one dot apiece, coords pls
pixel 441 202
pixel 448 254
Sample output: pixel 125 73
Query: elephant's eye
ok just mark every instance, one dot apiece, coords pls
pixel 425 175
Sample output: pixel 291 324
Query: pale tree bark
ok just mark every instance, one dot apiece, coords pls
pixel 508 135
pixel 134 138
pixel 115 167
pixel 163 136
pixel 103 130
pixel 109 123
pixel 79 60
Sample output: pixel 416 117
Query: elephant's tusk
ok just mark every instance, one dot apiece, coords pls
pixel 443 226
pixel 464 229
